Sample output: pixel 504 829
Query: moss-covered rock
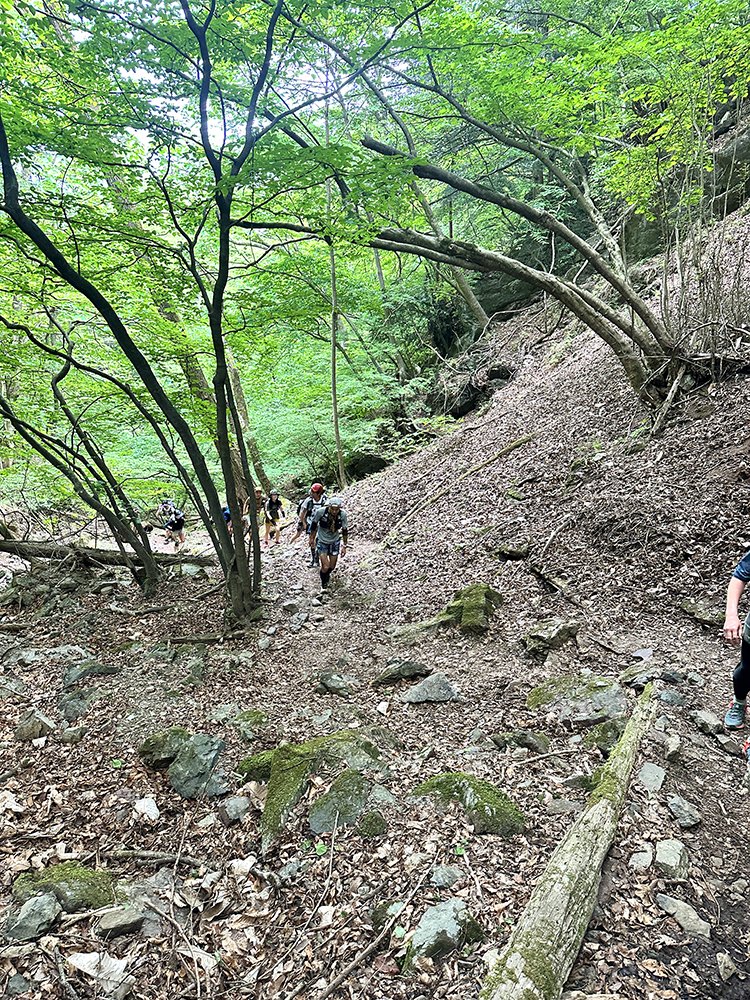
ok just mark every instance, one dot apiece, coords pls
pixel 287 770
pixel 536 742
pixel 581 700
pixel 160 749
pixel 372 825
pixel 604 735
pixel 343 803
pixel 550 635
pixel 471 608
pixel 487 807
pixel 75 886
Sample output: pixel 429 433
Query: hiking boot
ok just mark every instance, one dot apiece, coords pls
pixel 735 717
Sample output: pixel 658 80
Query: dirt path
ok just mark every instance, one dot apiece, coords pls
pixel 632 531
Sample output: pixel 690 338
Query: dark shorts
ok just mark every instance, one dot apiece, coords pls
pixel 329 548
pixel 175 524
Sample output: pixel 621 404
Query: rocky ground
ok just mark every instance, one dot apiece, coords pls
pixel 334 878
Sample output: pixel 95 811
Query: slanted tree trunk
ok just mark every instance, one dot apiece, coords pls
pixel 537 959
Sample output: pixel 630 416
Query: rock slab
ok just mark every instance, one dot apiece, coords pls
pixel 686 814
pixel 435 688
pixel 35 918
pixel 123 920
pixel 194 770
pixel 651 776
pixel 672 859
pixel 442 929
pixel 685 916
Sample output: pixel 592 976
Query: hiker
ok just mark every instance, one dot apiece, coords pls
pixel 259 501
pixel 174 523
pixel 227 515
pixel 274 511
pixel 737 632
pixel 310 505
pixel 329 533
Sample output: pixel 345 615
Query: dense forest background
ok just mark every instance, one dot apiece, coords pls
pixel 254 241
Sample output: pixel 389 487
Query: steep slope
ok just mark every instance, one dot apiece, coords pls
pixel 626 527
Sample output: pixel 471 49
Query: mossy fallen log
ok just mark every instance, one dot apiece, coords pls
pixel 537 959
pixel 94 557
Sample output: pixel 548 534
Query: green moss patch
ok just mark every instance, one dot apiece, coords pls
pixel 487 807
pixel 287 770
pixel 160 749
pixel 76 886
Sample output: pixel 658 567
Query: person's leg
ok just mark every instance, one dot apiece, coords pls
pixel 325 568
pixel 278 534
pixel 267 534
pixel 735 717
pixel 314 559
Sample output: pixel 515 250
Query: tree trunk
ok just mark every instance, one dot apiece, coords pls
pixel 537 959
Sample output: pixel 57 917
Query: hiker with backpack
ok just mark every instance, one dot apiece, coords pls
pixel 174 522
pixel 738 633
pixel 310 505
pixel 329 534
pixel 273 511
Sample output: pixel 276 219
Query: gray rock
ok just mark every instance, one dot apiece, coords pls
pixel 265 642
pixel 707 722
pixel 672 859
pixel 11 686
pixel 727 968
pixel 444 876
pixel 673 698
pixel 583 700
pixel 17 986
pixel 551 635
pixel 685 916
pixel 683 811
pixel 641 860
pixel 35 918
pixel 193 772
pixel 672 747
pixel 651 776
pixel 234 809
pixel 536 742
pixel 694 677
pixel 72 705
pixel 729 744
pixel 562 807
pixel 32 726
pixel 646 653
pixel 513 549
pixel 435 688
pixel 442 929
pixel 291 607
pixel 73 734
pixel 401 670
pixel 662 724
pixel 123 920
pixel 639 675
pixel 88 668
pixel 341 685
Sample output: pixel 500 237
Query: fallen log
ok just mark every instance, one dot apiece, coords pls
pixel 94 557
pixel 536 961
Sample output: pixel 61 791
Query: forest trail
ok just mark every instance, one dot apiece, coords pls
pixel 630 528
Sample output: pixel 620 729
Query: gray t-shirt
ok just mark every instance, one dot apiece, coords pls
pixel 326 527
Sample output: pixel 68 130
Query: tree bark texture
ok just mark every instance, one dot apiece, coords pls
pixel 536 961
